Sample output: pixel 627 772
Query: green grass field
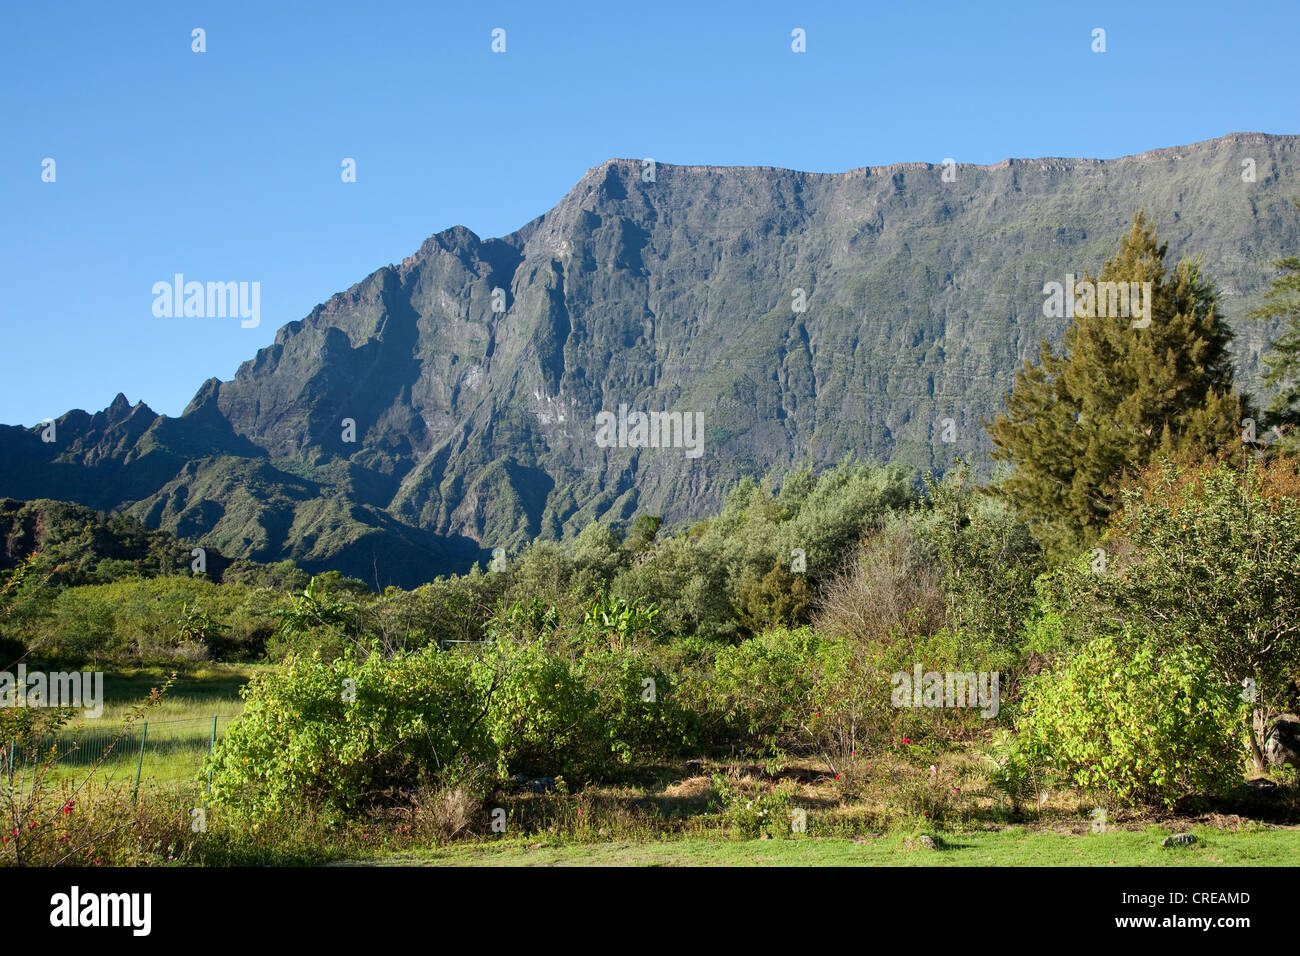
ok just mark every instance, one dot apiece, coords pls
pixel 1008 847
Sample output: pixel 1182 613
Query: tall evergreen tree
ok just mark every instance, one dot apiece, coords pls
pixel 1283 361
pixel 1120 392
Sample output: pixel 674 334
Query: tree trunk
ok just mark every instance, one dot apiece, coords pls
pixel 1257 734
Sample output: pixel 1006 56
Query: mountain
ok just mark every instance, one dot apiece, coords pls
pixel 664 289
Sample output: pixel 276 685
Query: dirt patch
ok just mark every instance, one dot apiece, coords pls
pixel 692 788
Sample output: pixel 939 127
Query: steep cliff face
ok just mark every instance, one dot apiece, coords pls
pixel 803 316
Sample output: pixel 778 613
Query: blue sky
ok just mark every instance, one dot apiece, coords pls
pixel 225 165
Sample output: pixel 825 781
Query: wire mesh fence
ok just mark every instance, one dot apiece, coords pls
pixel 166 750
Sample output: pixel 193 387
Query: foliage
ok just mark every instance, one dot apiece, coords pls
pixel 767 813
pixel 1080 421
pixel 540 719
pixel 1141 725
pixel 766 684
pixel 337 736
pixel 1208 556
pixel 1282 301
pixel 988 557
pixel 778 599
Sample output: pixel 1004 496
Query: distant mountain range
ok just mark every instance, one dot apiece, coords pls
pixel 802 316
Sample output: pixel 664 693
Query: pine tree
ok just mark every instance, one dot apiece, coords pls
pixel 1283 361
pixel 1081 421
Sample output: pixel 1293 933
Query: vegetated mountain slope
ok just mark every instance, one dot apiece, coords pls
pixel 664 292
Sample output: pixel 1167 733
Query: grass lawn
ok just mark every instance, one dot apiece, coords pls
pixel 1007 847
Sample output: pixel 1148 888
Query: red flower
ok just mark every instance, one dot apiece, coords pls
pixel 906 740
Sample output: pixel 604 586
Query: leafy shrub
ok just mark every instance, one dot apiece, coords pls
pixel 987 557
pixel 637 715
pixel 688 583
pixel 1011 774
pixel 540 716
pixel 303 742
pixel 766 685
pixel 1145 726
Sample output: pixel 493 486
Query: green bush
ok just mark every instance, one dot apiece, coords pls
pixel 541 714
pixel 766 685
pixel 688 583
pixel 305 742
pixel 638 713
pixel 1144 726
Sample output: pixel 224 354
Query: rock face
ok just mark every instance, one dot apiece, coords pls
pixel 802 315
pixel 1282 745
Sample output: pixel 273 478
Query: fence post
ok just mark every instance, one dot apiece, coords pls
pixel 135 797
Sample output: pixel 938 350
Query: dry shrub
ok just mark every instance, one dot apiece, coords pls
pixel 884 611
pixel 444 813
pixel 890 588
pixel 453 808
